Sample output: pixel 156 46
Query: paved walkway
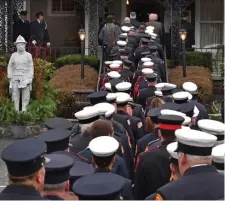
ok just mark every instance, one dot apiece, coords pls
pixel 3 170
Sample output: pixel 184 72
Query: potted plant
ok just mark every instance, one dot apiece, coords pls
pixel 19 124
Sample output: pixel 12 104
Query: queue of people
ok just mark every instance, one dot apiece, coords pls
pixel 140 138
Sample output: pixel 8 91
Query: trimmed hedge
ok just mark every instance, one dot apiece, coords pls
pixel 74 59
pixel 199 75
pixel 196 58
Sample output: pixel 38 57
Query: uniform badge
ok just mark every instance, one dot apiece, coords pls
pixel 158 197
pixel 128 122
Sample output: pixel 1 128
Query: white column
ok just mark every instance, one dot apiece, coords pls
pixel 197 24
pixel 86 28
pixel 123 9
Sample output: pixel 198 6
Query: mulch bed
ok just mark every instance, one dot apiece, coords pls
pixel 68 78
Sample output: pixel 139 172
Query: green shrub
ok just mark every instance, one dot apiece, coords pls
pixel 74 59
pixel 3 61
pixel 47 67
pixel 203 59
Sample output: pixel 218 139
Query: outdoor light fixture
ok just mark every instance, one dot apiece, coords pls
pixel 128 2
pixel 183 34
pixel 82 34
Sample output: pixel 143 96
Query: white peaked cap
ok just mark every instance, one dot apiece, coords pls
pixel 190 87
pixel 103 146
pixel 114 74
pixel 182 95
pixel 218 153
pixel 111 96
pixel 195 138
pixel 147 71
pixel 105 108
pixel 117 62
pixel 108 86
pixel 159 86
pixel 121 43
pixel 20 39
pixel 187 120
pixel 146 59
pixel 158 93
pixel 170 85
pixel 123 98
pixel 211 126
pixel 153 34
pixel 171 148
pixel 108 62
pixel 124 34
pixel 150 28
pixel 87 107
pixel 148 63
pixel 114 65
pixel 125 28
pixel 87 113
pixel 123 86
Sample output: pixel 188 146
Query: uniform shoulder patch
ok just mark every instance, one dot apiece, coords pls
pixel 158 197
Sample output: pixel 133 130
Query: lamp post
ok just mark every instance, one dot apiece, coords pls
pixel 183 35
pixel 82 35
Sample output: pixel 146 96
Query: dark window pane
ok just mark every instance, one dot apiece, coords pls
pixel 68 5
pixel 56 5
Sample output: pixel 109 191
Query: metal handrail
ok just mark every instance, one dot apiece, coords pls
pixel 100 69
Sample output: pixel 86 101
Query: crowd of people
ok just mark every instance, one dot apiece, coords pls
pixel 140 138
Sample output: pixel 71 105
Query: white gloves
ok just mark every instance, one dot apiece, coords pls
pixel 48 44
pixel 34 42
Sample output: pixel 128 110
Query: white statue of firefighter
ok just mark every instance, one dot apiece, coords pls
pixel 20 74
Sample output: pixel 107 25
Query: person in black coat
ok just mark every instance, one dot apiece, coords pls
pixel 39 31
pixel 152 167
pixel 22 27
pixel 103 152
pixel 26 172
pixel 144 141
pixel 148 92
pixel 133 20
pixel 202 179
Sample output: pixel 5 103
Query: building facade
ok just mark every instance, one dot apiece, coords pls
pixel 66 17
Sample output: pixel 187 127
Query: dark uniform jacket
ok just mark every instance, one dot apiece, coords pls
pixel 139 36
pixel 136 125
pixel 125 121
pixel 80 142
pixel 159 50
pixel 160 67
pixel 127 75
pixel 203 114
pixel 198 183
pixel 138 55
pixel 135 23
pixel 127 189
pixel 21 28
pixel 144 141
pixel 132 42
pixel 152 171
pixel 20 192
pixel 119 167
pixel 144 94
pixel 158 27
pixel 39 32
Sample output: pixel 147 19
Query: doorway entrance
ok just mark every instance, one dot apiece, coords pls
pixel 144 7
